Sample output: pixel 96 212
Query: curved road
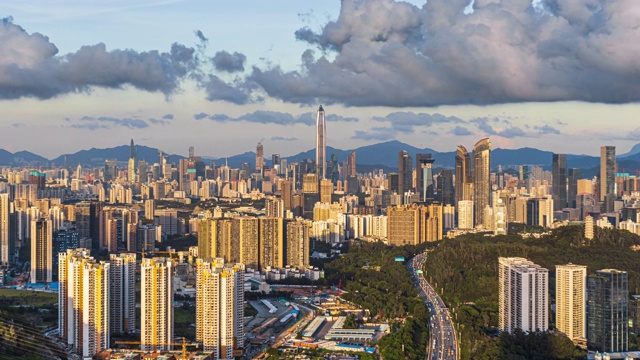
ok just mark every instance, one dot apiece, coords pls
pixel 443 343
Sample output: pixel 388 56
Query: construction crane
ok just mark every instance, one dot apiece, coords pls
pixel 184 345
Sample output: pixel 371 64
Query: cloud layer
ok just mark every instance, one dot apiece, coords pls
pixel 376 53
pixel 31 67
pixel 381 52
pixel 273 117
pixel 108 122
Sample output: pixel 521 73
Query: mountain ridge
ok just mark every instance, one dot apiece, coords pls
pixel 384 154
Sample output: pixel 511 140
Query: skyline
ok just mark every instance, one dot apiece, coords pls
pixel 222 80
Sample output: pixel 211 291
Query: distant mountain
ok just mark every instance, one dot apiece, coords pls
pixel 377 156
pixel 96 157
pixel 22 158
pixel 634 151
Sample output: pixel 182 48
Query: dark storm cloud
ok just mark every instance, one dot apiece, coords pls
pixel 30 66
pixel 273 117
pixel 386 53
pixel 225 61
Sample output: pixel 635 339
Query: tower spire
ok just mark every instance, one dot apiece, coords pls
pixel 321 144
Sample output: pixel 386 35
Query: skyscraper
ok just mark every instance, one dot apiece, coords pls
pixel 445 187
pixel 41 251
pixel 607 175
pixel 424 176
pixel 219 307
pixel 571 301
pixel 321 144
pixel 607 304
pixel 572 192
pixel 83 302
pixel 481 178
pixel 405 171
pixel 123 293
pixel 559 178
pixel 259 157
pixel 131 166
pixel 156 310
pixel 463 175
pixel 523 296
pixel 351 165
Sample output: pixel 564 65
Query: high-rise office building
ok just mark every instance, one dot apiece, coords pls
pixel 156 308
pixel 123 293
pixel 424 176
pixel 607 311
pixel 523 296
pixel 83 302
pixel 110 170
pixel 41 251
pixel 572 192
pixel 445 190
pixel 297 234
pixel 259 157
pixel 220 307
pixel 131 165
pixel 607 176
pixel 571 301
pixel 414 224
pixel 326 189
pixel 559 179
pixel 321 144
pixel 481 178
pixel 405 171
pixel 463 175
pixel 351 165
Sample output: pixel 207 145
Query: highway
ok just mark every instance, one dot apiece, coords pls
pixel 443 343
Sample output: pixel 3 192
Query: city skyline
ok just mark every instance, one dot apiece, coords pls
pixel 221 88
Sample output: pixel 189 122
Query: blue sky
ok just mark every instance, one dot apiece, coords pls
pixel 560 76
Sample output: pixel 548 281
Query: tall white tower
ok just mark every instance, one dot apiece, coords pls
pixel 321 144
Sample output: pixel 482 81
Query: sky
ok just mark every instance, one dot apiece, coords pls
pixel 558 75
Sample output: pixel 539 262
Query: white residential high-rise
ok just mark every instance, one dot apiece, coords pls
pixel 83 302
pixel 571 300
pixel 523 293
pixel 156 310
pixel 123 293
pixel 465 214
pixel 321 144
pixel 41 251
pixel 220 307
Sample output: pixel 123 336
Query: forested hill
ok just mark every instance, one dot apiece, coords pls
pixel 465 270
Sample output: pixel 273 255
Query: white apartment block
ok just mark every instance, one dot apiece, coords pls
pixel 523 295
